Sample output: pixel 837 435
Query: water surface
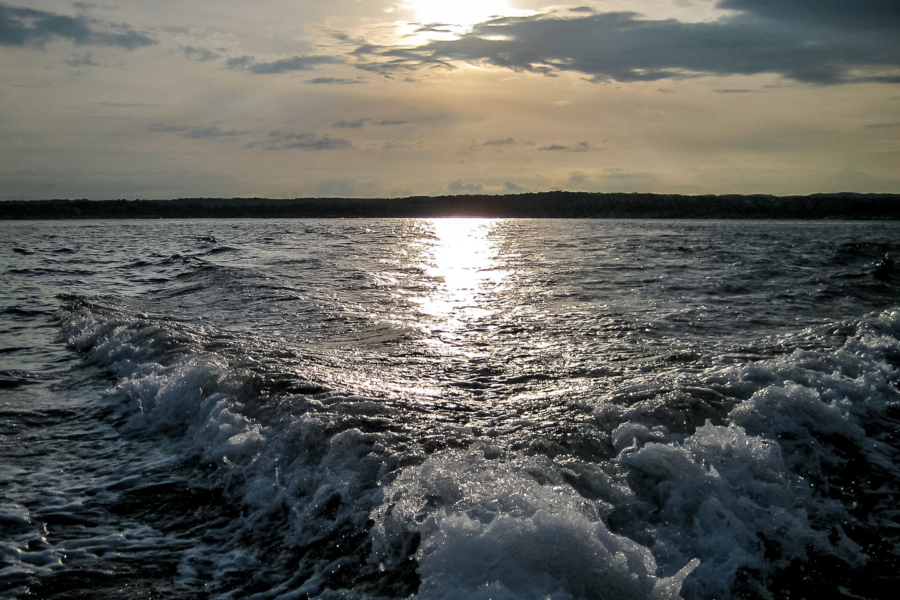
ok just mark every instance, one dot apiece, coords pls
pixel 448 408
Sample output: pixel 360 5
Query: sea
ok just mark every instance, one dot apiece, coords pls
pixel 449 409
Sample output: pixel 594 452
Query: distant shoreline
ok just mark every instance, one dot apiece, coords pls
pixel 537 205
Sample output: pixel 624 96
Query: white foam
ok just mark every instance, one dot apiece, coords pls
pixel 729 492
pixel 294 464
pixel 491 530
pixel 720 496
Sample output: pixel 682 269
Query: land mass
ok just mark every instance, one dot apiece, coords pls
pixel 536 205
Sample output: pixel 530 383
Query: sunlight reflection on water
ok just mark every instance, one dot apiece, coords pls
pixel 463 259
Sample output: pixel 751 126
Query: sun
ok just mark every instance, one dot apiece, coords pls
pixel 460 13
pixel 424 21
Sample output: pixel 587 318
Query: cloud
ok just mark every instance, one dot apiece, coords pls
pixel 401 145
pixel 82 61
pixel 213 131
pixel 577 178
pixel 435 28
pixel 200 54
pixel 579 147
pixel 239 63
pixel 197 133
pixel 840 14
pixel 295 63
pixel 619 175
pixel 285 65
pixel 362 122
pixel 508 141
pixel 389 59
pixel 166 128
pixel 304 141
pixel 334 80
pixel 274 140
pixel 351 124
pixel 31 27
pixel 458 187
pixel 512 187
pixel 800 40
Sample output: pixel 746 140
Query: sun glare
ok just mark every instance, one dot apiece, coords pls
pixel 431 20
pixel 463 13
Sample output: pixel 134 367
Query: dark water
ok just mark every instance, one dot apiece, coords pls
pixel 449 409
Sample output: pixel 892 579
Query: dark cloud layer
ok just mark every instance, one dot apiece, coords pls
pixel 841 14
pixel 31 27
pixel 814 41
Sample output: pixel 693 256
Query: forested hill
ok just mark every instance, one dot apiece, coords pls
pixel 542 204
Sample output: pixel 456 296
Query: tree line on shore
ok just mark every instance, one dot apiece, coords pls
pixel 556 204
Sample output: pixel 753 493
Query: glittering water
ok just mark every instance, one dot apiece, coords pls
pixel 448 408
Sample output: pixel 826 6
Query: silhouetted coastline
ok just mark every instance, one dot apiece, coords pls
pixel 535 205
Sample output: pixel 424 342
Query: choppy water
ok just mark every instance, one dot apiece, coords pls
pixel 450 408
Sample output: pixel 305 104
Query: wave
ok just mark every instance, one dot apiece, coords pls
pixel 706 484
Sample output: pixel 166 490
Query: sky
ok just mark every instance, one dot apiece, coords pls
pixel 386 98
